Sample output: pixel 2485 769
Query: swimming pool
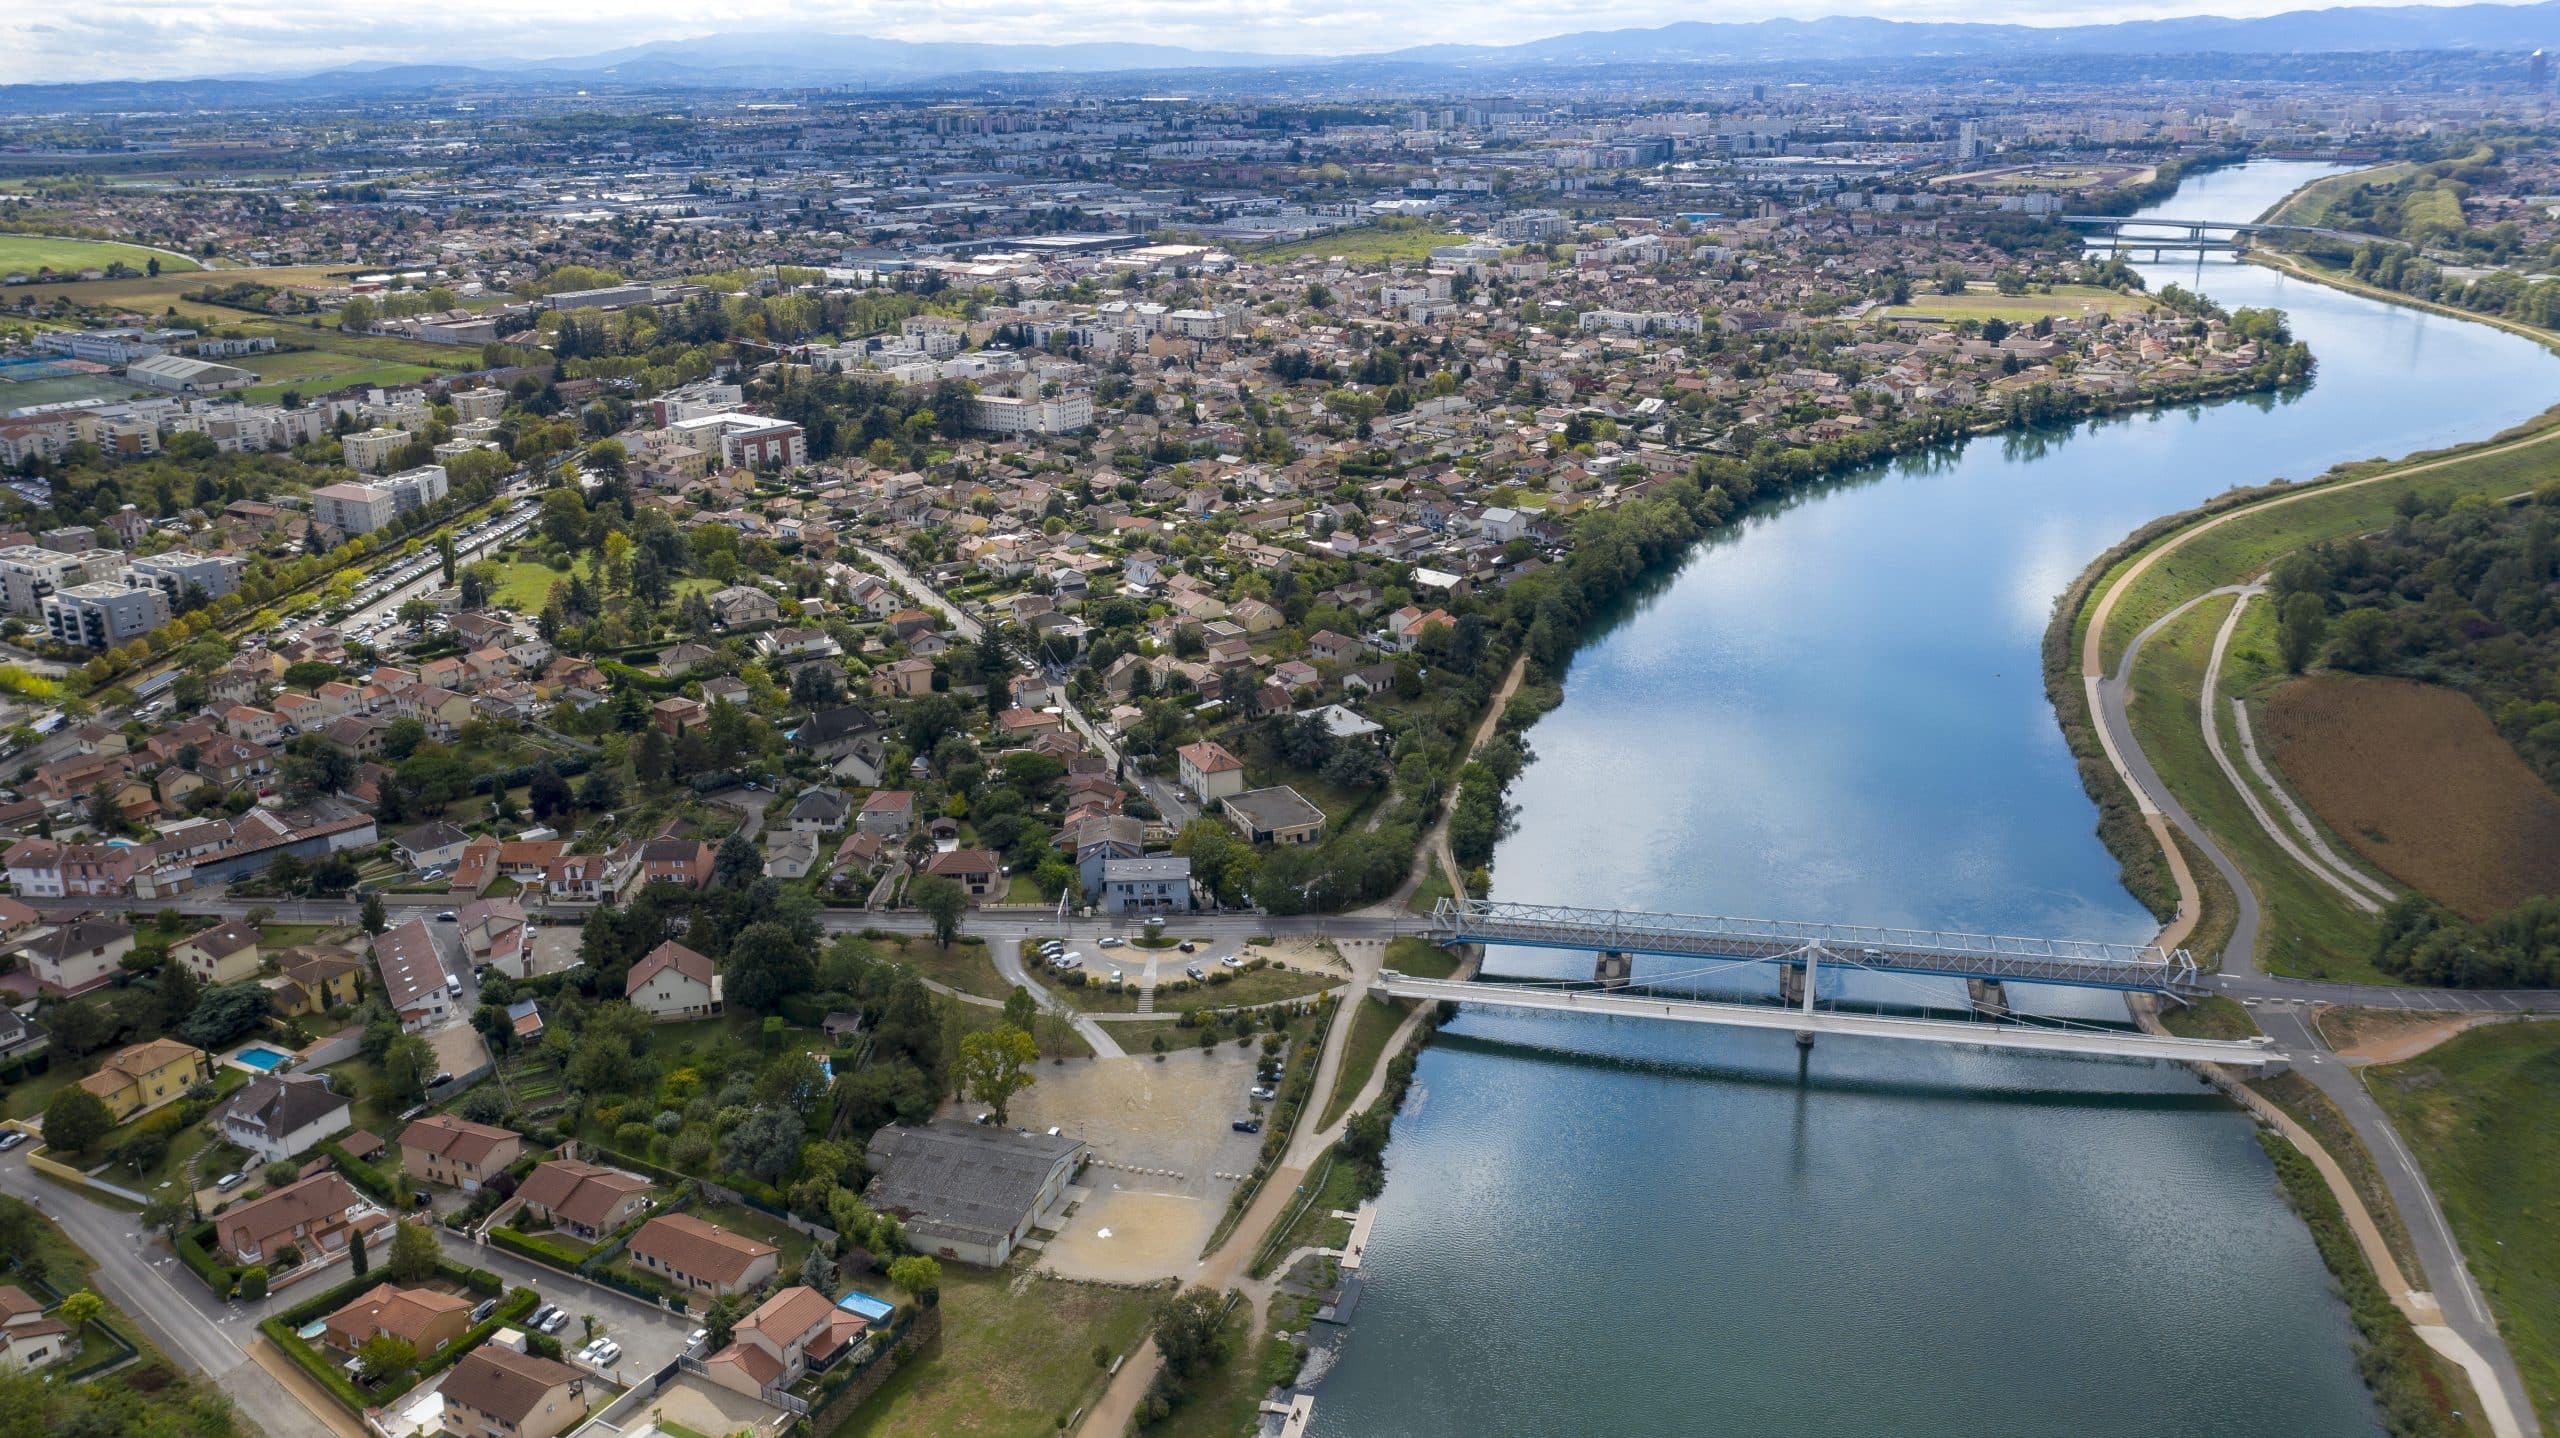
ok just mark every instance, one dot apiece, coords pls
pixel 262 1058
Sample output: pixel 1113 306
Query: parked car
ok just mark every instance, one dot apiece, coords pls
pixel 558 1320
pixel 448 917
pixel 1115 978
pixel 607 1353
pixel 1264 1093
pixel 1247 1125
pixel 481 1312
pixel 1233 961
pixel 1112 941
pixel 1196 973
pixel 542 1316
pixel 1069 960
pixel 11 1140
pixel 232 1180
pixel 694 1339
pixel 1188 947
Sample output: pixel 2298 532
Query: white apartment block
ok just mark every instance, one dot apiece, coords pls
pixel 369 451
pixel 1005 414
pixel 30 575
pixel 353 508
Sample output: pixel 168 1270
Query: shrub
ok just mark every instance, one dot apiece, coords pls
pixel 253 1283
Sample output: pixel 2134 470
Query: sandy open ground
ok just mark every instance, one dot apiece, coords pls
pixel 1161 1138
pixel 2390 1036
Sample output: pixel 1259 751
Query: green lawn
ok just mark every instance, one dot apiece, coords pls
pixel 1015 1357
pixel 1419 958
pixel 31 253
pixel 1984 303
pixel 524 585
pixel 1364 242
pixel 966 965
pixel 1372 1024
pixel 319 371
pixel 2479 1114
pixel 1224 1402
pixel 2483 1114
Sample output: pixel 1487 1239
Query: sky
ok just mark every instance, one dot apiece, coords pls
pixel 155 39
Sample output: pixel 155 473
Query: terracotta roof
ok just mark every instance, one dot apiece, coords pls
pixel 313 1200
pixel 787 1317
pixel 402 1312
pixel 704 1250
pixel 1209 757
pixel 505 1384
pixel 757 1364
pixel 445 1136
pixel 578 1190
pixel 223 939
pixel 665 956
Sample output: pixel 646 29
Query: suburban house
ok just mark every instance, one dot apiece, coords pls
pixel 30 1338
pixel 313 1216
pixel 430 846
pixel 738 606
pixel 21 1037
pixel 673 984
pixel 979 873
pixel 888 813
pixel 78 956
pixel 496 1392
pixel 849 739
pixel 413 976
pixel 280 1116
pixel 701 1256
pixel 1209 771
pixel 223 954
pixel 819 811
pixel 796 1331
pixel 1277 815
pixel 966 1191
pixel 587 1199
pixel 425 1319
pixel 685 863
pixel 314 981
pixel 456 1152
pixel 144 1077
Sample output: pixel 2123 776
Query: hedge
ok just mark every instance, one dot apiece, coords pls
pixel 364 1176
pixel 540 1250
pixel 194 1252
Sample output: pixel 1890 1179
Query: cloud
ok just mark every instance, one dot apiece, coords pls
pixel 158 39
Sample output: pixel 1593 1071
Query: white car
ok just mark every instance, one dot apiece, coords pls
pixel 1112 941
pixel 1068 960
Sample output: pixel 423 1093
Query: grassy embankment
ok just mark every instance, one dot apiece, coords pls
pixel 2479 1113
pixel 2316 932
pixel 1372 1024
pixel 1363 243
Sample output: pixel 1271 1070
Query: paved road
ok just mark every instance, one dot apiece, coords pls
pixel 1007 953
pixel 187 1322
pixel 2440 1259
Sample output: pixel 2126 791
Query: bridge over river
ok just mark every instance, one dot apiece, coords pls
pixel 1800 953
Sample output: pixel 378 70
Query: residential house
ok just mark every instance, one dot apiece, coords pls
pixel 587 1199
pixel 149 1075
pixel 1209 771
pixel 888 813
pixel 979 873
pixel 223 954
pixel 1156 885
pixel 496 1392
pixel 456 1152
pixel 1277 815
pixel 740 606
pixel 30 1338
pixel 701 1257
pixel 313 1216
pixel 676 714
pixel 848 739
pixel 413 976
pixel 798 1330
pixel 314 981
pixel 50 869
pixel 426 1320
pixel 819 811
pixel 280 1116
pixel 76 957
pixel 430 846
pixel 674 984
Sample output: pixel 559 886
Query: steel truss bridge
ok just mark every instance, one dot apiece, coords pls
pixel 1799 951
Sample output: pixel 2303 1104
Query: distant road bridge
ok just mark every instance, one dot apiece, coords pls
pixel 1988 963
pixel 2128 232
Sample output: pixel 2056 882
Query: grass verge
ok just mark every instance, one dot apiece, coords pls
pixel 1372 1024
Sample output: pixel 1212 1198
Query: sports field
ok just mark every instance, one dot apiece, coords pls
pixel 33 254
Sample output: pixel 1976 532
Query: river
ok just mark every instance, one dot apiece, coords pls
pixel 1834 711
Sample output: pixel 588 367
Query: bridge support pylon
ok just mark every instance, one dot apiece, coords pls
pixel 1613 970
pixel 1989 998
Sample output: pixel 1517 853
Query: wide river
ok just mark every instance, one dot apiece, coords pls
pixel 1834 711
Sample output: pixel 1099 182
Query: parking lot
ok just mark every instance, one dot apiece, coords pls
pixel 650 1336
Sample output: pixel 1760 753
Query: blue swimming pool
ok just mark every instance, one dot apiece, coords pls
pixel 262 1058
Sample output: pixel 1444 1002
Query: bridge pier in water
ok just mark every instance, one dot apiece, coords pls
pixel 1613 969
pixel 1989 998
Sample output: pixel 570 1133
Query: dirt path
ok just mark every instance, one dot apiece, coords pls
pixel 1435 844
pixel 2403 1037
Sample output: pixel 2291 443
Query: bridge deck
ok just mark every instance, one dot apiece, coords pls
pixel 2021 1037
pixel 2080 963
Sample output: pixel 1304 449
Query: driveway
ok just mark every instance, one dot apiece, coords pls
pixel 650 1336
pixel 194 1328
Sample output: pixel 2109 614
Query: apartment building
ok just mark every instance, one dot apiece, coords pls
pixel 30 574
pixel 354 508
pixel 104 614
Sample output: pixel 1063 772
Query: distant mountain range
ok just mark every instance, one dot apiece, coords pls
pixel 775 59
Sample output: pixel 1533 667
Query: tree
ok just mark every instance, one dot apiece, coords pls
pixel 943 902
pixel 375 920
pixel 281 1172
pixel 253 1282
pixel 548 793
pixel 2302 622
pixel 1191 1333
pixel 165 1215
pixel 737 865
pixel 414 1254
pixel 918 1275
pixel 386 1356
pixel 75 1119
pixel 226 1012
pixel 765 1143
pixel 767 964
pixel 1020 1008
pixel 818 1271
pixel 80 1309
pixel 357 1259
pixel 995 1064
pixel 721 1319
pixel 407 1066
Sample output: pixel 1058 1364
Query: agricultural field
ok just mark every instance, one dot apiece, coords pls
pixel 152 295
pixel 1983 302
pixel 2478 1112
pixel 2418 780
pixel 320 371
pixel 33 253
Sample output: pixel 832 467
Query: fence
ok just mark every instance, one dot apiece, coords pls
pixel 345 1044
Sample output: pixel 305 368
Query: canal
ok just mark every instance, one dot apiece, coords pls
pixel 1834 711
